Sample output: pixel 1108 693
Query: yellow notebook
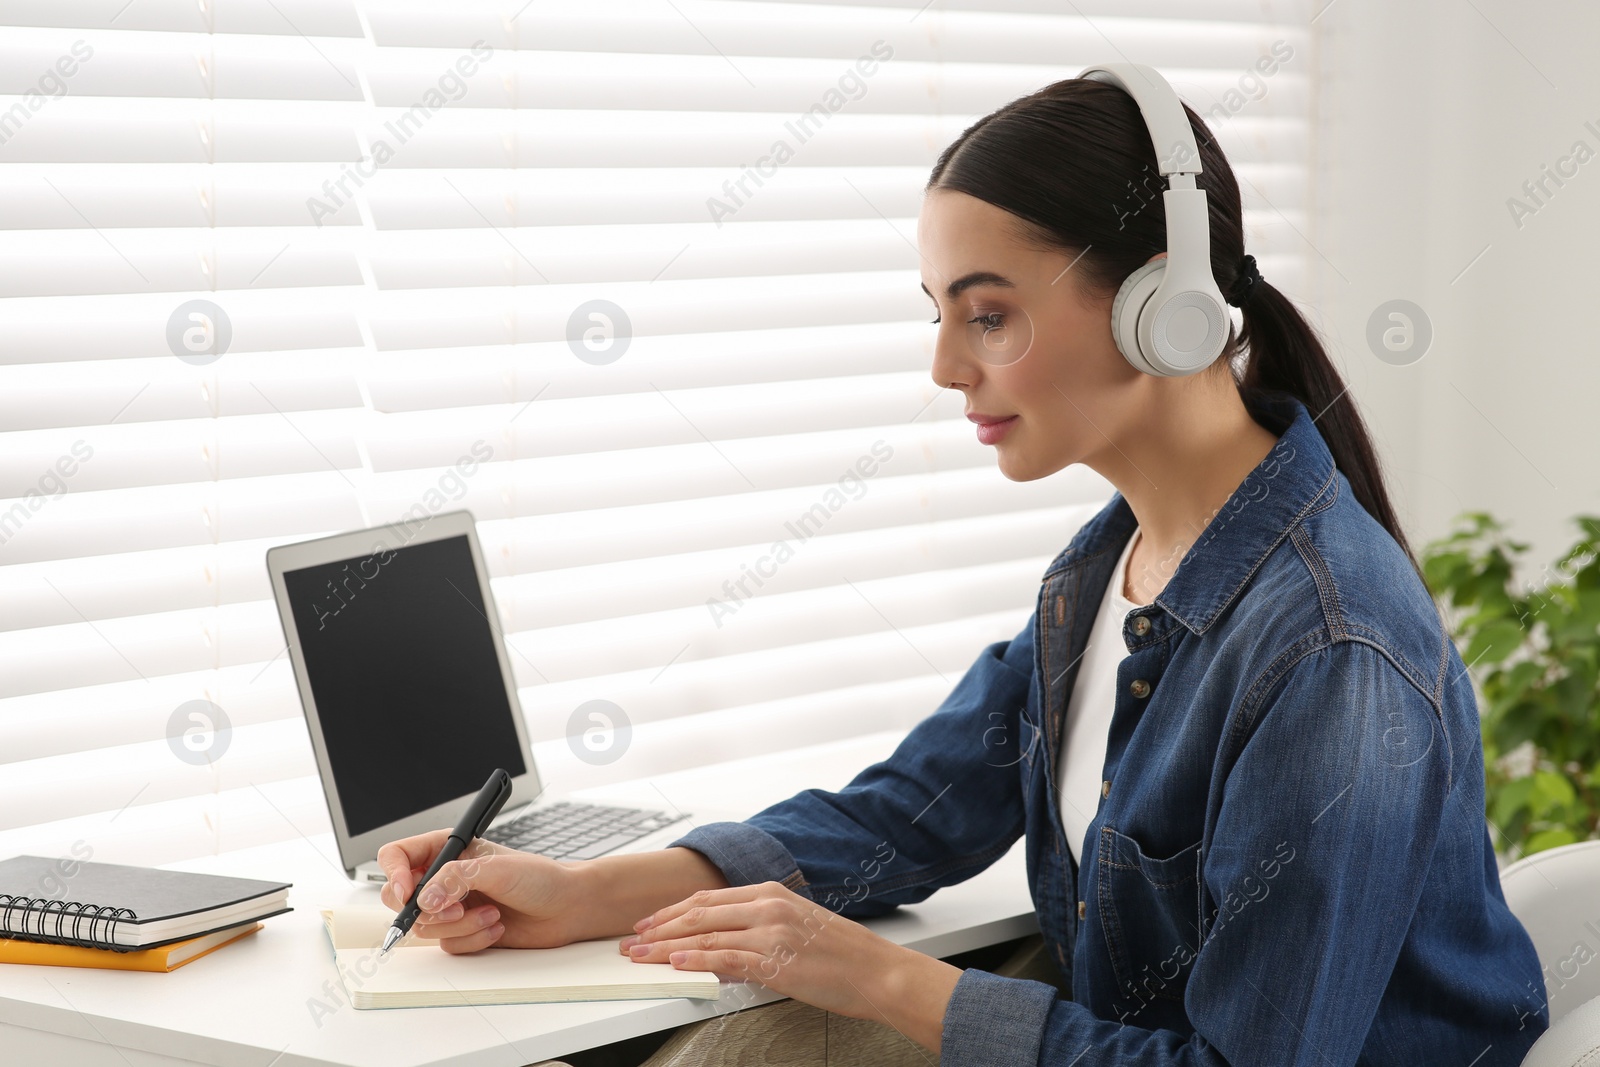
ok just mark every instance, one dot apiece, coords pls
pixel 165 958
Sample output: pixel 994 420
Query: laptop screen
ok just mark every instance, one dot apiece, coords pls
pixel 400 659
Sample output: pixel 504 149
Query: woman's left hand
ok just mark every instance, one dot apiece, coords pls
pixel 774 936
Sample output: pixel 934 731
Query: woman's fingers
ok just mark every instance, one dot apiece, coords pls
pixel 703 898
pixel 446 926
pixel 728 963
pixel 473 942
pixel 759 942
pixel 772 936
pixel 737 955
pixel 401 860
pixel 405 861
pixel 714 919
pixel 701 918
pixel 492 874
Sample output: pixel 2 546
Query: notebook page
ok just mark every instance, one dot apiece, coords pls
pixel 418 973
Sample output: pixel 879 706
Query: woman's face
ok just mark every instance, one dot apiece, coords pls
pixel 1042 377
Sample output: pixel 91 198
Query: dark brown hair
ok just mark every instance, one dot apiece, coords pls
pixel 1074 162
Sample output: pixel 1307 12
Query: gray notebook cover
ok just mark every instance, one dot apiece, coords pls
pixel 94 895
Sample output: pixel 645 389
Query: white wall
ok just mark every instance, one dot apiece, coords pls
pixel 1430 115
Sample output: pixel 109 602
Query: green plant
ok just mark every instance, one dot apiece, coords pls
pixel 1536 658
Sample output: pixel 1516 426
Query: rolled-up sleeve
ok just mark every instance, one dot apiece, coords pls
pixel 942 807
pixel 744 853
pixel 995 1020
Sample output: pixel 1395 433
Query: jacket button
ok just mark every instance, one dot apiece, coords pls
pixel 1081 906
pixel 1141 625
pixel 1139 688
pixel 1105 788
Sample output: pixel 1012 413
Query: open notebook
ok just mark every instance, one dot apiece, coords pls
pixel 417 973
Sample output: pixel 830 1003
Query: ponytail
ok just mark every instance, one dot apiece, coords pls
pixel 1286 358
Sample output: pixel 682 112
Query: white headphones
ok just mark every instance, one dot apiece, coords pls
pixel 1169 317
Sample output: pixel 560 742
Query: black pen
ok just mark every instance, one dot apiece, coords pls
pixel 480 813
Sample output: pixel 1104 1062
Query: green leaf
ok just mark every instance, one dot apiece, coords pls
pixel 1516 828
pixel 1552 838
pixel 1575 692
pixel 1551 794
pixel 1517 680
pixel 1496 599
pixel 1445 570
pixel 1585 618
pixel 1493 612
pixel 1508 801
pixel 1523 721
pixel 1494 642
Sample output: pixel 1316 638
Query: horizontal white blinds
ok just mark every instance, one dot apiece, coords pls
pixel 397 208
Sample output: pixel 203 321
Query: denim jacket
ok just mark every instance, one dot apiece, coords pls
pixel 1290 863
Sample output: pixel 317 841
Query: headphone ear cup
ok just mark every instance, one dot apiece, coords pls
pixel 1136 291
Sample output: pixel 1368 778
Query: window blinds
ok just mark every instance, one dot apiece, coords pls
pixel 274 269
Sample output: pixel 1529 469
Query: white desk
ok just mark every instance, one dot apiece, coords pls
pixel 247 1005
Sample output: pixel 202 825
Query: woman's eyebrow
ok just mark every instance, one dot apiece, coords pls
pixel 967 281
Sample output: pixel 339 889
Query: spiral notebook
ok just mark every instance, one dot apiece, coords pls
pixel 122 908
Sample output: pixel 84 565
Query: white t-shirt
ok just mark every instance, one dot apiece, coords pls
pixel 1094 697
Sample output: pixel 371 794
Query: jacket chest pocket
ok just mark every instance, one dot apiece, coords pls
pixel 1148 910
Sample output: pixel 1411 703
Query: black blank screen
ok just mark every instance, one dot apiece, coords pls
pixel 402 666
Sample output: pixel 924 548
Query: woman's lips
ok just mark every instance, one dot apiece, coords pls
pixel 992 428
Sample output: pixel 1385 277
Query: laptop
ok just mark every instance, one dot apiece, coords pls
pixel 410 700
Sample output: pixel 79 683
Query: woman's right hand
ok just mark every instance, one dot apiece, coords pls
pixel 490 895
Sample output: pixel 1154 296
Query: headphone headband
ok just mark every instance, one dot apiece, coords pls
pixel 1169 317
pixel 1163 114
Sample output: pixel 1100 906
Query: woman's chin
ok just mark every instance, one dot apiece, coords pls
pixel 1019 465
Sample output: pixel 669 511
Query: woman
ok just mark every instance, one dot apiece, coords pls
pixel 1242 748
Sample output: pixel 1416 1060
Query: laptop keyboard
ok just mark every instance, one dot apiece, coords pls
pixel 573 831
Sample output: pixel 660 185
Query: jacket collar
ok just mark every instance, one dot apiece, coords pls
pixel 1296 475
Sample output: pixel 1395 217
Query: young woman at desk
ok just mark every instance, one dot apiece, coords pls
pixel 1242 748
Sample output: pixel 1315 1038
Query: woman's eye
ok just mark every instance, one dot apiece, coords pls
pixel 992 321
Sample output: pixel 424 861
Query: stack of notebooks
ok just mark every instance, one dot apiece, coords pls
pixel 125 918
